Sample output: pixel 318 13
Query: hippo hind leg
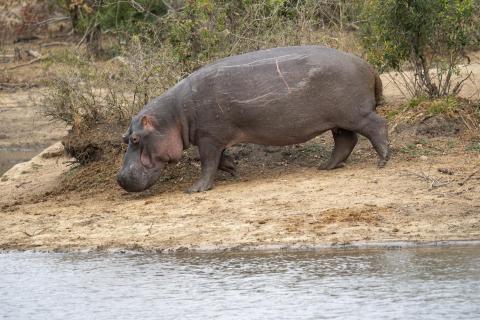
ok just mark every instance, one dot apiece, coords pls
pixel 227 164
pixel 374 128
pixel 345 141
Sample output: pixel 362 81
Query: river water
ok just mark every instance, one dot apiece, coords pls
pixel 435 283
pixel 11 156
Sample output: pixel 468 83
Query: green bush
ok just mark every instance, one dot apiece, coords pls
pixel 427 36
pixel 92 18
pixel 83 95
pixel 203 30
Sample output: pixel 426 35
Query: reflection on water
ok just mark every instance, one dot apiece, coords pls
pixel 11 156
pixel 437 283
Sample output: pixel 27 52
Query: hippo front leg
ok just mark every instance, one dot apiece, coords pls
pixel 210 156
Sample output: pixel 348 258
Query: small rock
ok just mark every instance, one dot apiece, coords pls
pixel 423 158
pixel 445 171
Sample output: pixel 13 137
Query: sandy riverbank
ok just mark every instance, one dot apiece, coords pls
pixel 304 207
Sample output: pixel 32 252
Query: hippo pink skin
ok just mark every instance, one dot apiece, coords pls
pixel 277 97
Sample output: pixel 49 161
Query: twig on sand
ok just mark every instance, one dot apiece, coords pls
pixel 27 63
pixel 432 181
pixel 34 233
pixel 470 176
pixel 10 86
pixel 149 229
pixel 54 19
pixel 54 44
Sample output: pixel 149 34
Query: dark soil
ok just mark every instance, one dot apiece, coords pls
pixel 99 151
pixel 440 125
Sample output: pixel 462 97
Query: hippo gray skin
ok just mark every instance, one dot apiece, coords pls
pixel 277 97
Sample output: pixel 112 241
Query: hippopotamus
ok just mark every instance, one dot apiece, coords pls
pixel 278 97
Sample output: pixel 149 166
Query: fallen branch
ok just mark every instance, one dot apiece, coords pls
pixel 16 85
pixel 34 53
pixel 27 63
pixel 55 19
pixel 433 182
pixel 53 44
pixel 150 229
pixel 470 176
pixel 34 233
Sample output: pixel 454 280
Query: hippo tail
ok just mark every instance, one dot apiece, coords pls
pixel 378 90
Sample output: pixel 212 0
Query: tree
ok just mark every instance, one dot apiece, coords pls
pixel 91 18
pixel 430 37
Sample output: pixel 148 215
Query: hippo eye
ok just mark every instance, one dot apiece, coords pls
pixel 134 138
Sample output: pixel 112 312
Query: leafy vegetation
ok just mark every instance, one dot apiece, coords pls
pixel 84 95
pixel 428 37
pixel 92 18
pixel 444 105
pixel 201 29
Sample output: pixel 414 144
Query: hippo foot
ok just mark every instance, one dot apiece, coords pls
pixel 327 166
pixel 200 186
pixel 230 170
pixel 381 163
pixel 228 165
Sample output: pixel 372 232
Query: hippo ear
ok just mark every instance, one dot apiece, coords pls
pixel 148 123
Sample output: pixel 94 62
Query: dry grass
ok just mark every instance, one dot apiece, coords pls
pixel 453 110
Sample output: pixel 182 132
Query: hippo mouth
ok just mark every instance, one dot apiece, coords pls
pixel 139 173
pixel 139 180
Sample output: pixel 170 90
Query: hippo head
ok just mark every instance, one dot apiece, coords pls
pixel 150 148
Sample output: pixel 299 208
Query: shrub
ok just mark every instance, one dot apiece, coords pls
pixel 84 95
pixel 203 30
pixel 429 37
pixel 92 18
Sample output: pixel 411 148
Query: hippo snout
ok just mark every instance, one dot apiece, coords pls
pixel 136 178
pixel 128 184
